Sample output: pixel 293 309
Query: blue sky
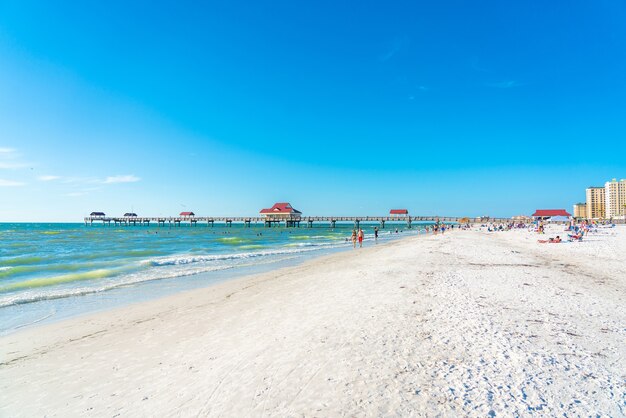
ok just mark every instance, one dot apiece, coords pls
pixel 346 108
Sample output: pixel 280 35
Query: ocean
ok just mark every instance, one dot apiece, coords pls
pixel 54 271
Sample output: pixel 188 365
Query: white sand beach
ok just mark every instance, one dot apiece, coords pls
pixel 467 324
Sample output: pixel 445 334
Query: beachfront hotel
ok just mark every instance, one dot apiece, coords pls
pixel 604 202
pixel 596 201
pixel 615 193
pixel 580 210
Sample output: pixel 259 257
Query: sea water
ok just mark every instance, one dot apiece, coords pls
pixel 54 271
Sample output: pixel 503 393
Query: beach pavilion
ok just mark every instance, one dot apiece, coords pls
pixel 281 212
pixel 399 213
pixel 551 215
pixel 187 214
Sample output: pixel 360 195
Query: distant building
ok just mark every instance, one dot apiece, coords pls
pixel 281 211
pixel 97 214
pixel 187 214
pixel 130 215
pixel 615 198
pixel 551 214
pixel 399 213
pixel 580 210
pixel 596 202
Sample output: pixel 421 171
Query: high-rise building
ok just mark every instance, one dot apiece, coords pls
pixel 596 201
pixel 615 196
pixel 580 210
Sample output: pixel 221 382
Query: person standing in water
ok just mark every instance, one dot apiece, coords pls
pixel 353 238
pixel 361 234
pixel 376 233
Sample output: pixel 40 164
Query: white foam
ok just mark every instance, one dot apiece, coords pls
pixel 126 280
pixel 190 259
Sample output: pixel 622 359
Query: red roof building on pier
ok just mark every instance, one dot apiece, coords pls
pixel 398 212
pixel 281 211
pixel 187 214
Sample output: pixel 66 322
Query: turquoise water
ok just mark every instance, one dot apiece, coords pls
pixel 51 271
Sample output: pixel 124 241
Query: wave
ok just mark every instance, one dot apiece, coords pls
pixel 315 237
pixel 54 280
pixel 19 261
pixel 11 272
pixel 15 270
pixel 190 259
pixel 305 245
pixel 252 247
pixel 128 280
pixel 233 240
pixel 159 268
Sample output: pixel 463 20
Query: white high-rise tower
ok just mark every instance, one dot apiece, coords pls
pixel 615 195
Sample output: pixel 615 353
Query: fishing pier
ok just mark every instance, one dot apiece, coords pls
pixel 289 222
pixel 277 215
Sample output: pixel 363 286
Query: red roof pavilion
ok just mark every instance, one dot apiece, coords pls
pixel 398 212
pixel 187 214
pixel 280 208
pixel 540 213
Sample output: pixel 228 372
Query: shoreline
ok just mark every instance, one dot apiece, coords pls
pixel 465 323
pixel 222 286
pixel 55 309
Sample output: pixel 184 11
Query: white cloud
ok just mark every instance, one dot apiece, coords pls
pixel 48 178
pixel 128 178
pixel 10 183
pixel 10 159
pixel 11 166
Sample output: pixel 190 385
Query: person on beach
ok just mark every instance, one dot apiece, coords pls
pixel 550 240
pixel 361 235
pixel 540 228
pixel 376 233
pixel 353 238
